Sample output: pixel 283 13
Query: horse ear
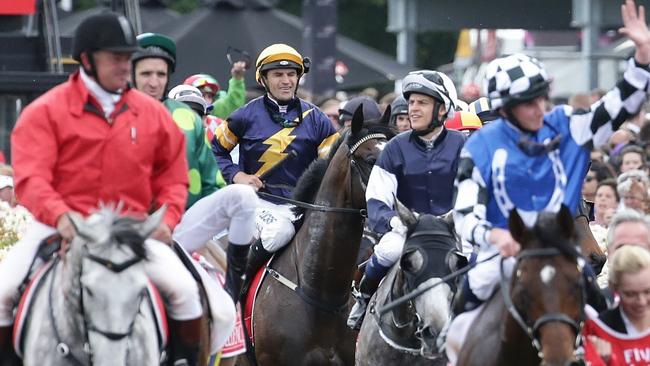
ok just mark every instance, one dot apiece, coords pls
pixel 152 222
pixel 406 215
pixel 517 226
pixel 564 220
pixel 385 118
pixel 357 120
pixel 79 225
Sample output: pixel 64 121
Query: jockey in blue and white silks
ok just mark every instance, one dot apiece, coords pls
pixel 532 160
pixel 418 167
pixel 504 166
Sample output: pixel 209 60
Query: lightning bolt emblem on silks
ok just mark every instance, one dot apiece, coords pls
pixel 275 153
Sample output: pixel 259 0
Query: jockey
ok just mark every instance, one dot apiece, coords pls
pixel 481 107
pixel 465 122
pixel 279 135
pixel 370 110
pixel 399 114
pixel 152 69
pixel 414 165
pixel 101 141
pixel 224 103
pixel 531 159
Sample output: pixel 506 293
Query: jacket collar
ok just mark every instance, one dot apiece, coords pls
pixel 413 137
pixel 82 100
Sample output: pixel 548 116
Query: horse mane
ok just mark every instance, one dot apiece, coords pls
pixel 310 181
pixel 124 232
pixel 123 229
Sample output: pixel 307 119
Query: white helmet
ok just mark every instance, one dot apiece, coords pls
pixel 192 96
pixel 434 84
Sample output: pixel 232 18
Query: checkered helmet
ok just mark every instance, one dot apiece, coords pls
pixel 515 79
pixel 434 84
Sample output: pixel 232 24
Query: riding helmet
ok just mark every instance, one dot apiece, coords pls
pixel 105 31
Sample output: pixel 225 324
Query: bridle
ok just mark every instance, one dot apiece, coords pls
pixel 61 347
pixel 416 320
pixel 533 331
pixel 320 304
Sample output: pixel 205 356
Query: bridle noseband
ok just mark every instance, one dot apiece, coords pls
pixel 533 330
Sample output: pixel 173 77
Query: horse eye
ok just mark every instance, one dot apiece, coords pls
pixel 371 160
pixel 412 261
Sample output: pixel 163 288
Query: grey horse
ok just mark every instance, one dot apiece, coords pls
pixel 92 306
pixel 406 335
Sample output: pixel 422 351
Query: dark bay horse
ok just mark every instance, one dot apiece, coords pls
pixel 307 326
pixel 407 334
pixel 536 317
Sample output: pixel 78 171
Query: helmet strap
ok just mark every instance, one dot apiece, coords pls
pixel 435 120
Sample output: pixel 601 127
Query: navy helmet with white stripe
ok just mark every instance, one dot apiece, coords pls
pixel 515 79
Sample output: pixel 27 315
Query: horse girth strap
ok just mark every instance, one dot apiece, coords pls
pixel 310 206
pixel 319 304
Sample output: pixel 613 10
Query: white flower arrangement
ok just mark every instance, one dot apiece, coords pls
pixel 13 225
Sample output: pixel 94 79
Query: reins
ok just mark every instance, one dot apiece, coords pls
pixel 419 291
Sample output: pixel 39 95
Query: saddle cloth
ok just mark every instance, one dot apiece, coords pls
pixel 251 295
pixel 36 284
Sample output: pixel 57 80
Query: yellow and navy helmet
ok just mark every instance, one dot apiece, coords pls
pixel 280 56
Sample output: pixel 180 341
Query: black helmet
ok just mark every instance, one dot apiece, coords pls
pixel 105 31
pixel 156 45
pixel 397 107
pixel 370 109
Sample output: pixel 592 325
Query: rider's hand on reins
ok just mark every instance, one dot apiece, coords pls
pixel 162 233
pixel 502 239
pixel 249 179
pixel 66 228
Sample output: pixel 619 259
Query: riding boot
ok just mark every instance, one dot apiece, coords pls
pixel 237 256
pixel 7 354
pixel 187 342
pixel 257 257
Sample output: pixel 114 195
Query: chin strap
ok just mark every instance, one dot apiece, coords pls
pixel 435 121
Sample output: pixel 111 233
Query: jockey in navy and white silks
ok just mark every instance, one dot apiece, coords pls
pixel 278 135
pixel 505 165
pixel 418 167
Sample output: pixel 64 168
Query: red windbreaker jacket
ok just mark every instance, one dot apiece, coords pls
pixel 67 156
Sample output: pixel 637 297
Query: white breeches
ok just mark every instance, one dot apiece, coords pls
pixel 163 268
pixel 485 277
pixel 232 207
pixel 389 249
pixel 274 224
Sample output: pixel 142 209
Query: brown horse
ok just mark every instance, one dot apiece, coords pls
pixel 537 317
pixel 307 325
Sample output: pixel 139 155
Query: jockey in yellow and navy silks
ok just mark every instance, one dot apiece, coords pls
pixel 278 135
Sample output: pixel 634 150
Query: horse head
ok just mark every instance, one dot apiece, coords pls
pixel 112 282
pixel 431 252
pixel 547 286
